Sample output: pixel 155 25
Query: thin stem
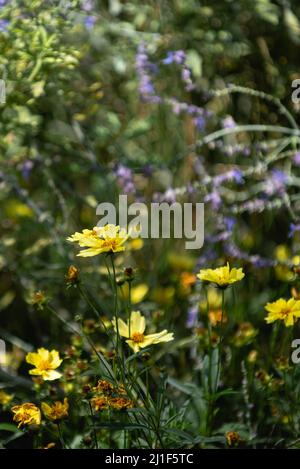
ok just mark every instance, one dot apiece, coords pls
pixel 221 340
pixel 93 425
pixel 60 436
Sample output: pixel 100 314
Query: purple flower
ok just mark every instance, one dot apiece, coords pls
pixel 144 70
pixel 177 56
pixel 235 175
pixel 89 22
pixel 192 316
pixel 3 25
pixel 199 123
pixel 229 223
pixel 125 178
pixel 214 198
pixel 293 228
pixel 296 159
pixel 277 182
pixel 26 169
pixel 228 123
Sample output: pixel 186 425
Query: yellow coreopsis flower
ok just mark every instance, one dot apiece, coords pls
pixel 134 332
pixel 56 411
pixel 284 310
pixel 26 414
pixel 108 238
pixel 222 276
pixel 45 363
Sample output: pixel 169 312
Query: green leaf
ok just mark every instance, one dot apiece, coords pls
pixel 8 427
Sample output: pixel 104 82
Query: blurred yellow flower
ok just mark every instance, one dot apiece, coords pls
pixel 5 398
pixel 244 335
pixel 26 414
pixel 138 292
pixel 134 332
pixel 232 438
pixel 108 238
pixel 56 411
pixel 72 274
pixel 222 276
pixel 163 295
pixel 214 298
pixel 136 244
pixel 216 316
pixel 120 403
pixel 45 363
pixel 287 311
pixel 100 403
pixel 16 209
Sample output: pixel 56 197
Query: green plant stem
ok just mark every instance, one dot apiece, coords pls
pixel 93 425
pixel 220 346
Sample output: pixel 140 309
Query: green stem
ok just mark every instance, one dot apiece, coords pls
pixel 93 425
pixel 220 341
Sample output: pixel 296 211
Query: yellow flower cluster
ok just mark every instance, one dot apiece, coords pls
pixel 110 397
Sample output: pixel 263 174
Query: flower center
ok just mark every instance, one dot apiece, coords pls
pixel 285 312
pixel 44 365
pixel 137 337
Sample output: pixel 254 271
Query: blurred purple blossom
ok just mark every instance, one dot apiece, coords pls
pixel 293 228
pixel 125 178
pixel 200 123
pixel 235 175
pixel 144 70
pixel 276 183
pixel 296 159
pixel 177 57
pixel 3 25
pixel 228 122
pixel 26 169
pixel 89 21
pixel 214 198
pixel 192 316
pixel 88 5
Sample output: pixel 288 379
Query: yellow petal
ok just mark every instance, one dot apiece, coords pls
pixel 137 322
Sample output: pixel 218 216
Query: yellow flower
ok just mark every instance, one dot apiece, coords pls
pixel 100 403
pixel 222 276
pixel 138 292
pixel 134 332
pixel 108 238
pixel 72 274
pixel 5 398
pixel 26 414
pixel 244 335
pixel 232 438
pixel 120 403
pixel 45 363
pixel 216 316
pixel 286 311
pixel 56 411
